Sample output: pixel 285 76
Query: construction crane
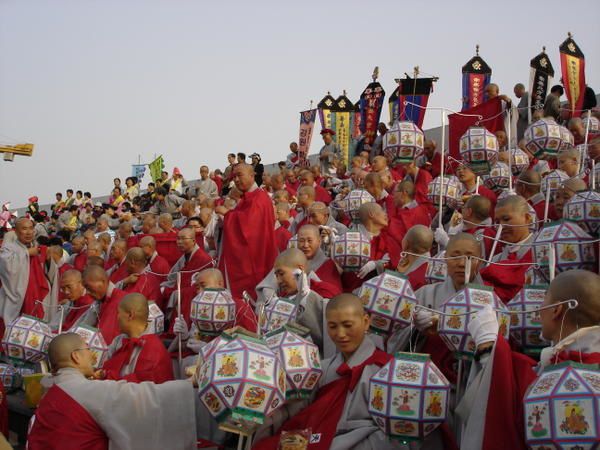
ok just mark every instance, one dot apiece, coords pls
pixel 18 149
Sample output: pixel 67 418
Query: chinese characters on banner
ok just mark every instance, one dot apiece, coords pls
pixel 476 76
pixel 572 64
pixel 307 123
pixel 540 77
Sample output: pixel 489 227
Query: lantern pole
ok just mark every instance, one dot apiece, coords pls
pixel 593 175
pixel 180 352
pixel 585 142
pixel 551 262
pixel 496 239
pixel 442 171
pixel 547 202
pixel 62 317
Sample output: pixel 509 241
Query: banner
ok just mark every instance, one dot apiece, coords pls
pixel 356 121
pixel 540 78
pixel 307 123
pixel 156 167
pixel 394 106
pixel 371 103
pixel 476 76
pixel 343 115
pixel 138 171
pixel 414 90
pixel 572 63
pixel 324 108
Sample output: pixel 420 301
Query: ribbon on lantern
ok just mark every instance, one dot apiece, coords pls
pixel 343 115
pixel 476 76
pixel 371 103
pixel 307 123
pixel 156 167
pixel 572 64
pixel 540 77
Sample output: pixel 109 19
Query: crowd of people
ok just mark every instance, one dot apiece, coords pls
pixel 264 235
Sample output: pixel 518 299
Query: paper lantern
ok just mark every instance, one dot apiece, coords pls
pixel 519 161
pixel 156 319
pixel 451 188
pixel 300 360
pixel 390 301
pixel 351 251
pixel 242 383
pixel 544 138
pixel 437 269
pixel 95 341
pixel 553 181
pixel 573 247
pixel 10 377
pixel 561 408
pixel 354 200
pixel 525 327
pixel 499 177
pixel 594 124
pixel 27 339
pixel 533 275
pixel 479 148
pixel 408 397
pixel 279 312
pixel 213 310
pixel 403 142
pixel 566 138
pixel 584 208
pixel 452 327
pixel 210 348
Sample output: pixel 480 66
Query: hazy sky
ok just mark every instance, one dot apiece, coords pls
pixel 94 84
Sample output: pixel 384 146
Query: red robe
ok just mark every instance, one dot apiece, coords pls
pixel 3 412
pixel 80 261
pixel 421 183
pixel 77 311
pixel 63 424
pixel 119 273
pixel 417 277
pixel 507 280
pixel 160 268
pixel 292 188
pixel 248 243
pixel 328 273
pixel 148 286
pixel 322 195
pixel 37 286
pixel 108 323
pixel 282 236
pixel 198 261
pixel 153 362
pixel 485 231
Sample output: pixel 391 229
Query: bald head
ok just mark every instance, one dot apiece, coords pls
pixel 367 210
pixel 95 273
pixel 529 183
pixel 55 252
pixel 574 185
pixel 94 261
pixel 580 285
pixel 310 230
pixel 186 233
pixel 461 240
pixel 208 279
pixel 345 301
pixel 479 207
pixel 309 191
pixel 418 239
pixel 514 203
pixel 71 275
pixel 136 306
pixel 291 258
pixel 136 259
pixel 61 349
pixel 94 248
pixel 148 241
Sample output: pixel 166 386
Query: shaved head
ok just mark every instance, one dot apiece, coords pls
pixel 95 273
pixel 71 275
pixel 311 230
pixel 418 239
pixel 61 348
pixel 574 185
pixel 580 285
pixel 187 233
pixel 480 206
pixel 368 209
pixel 136 255
pixel 148 241
pixel 319 207
pixel 463 239
pixel 138 305
pixel 209 278
pixel 56 252
pixel 292 258
pixel 345 301
pixel 514 203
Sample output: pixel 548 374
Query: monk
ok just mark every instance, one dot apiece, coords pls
pixel 307 178
pixel 282 234
pixel 417 243
pixel 22 276
pixel 420 179
pixel 406 209
pixel 494 418
pixel 57 254
pixel 78 255
pixel 76 300
pixel 469 181
pixel 78 413
pixel 306 197
pixel 566 192
pixel 118 251
pixel 309 242
pixel 138 280
pixel 159 266
pixel 320 215
pixel 107 298
pixel 248 233
pixel 528 185
pixel 568 161
pixel 136 355
pixel 374 186
pixel 339 413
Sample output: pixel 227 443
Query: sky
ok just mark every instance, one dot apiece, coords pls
pixel 95 85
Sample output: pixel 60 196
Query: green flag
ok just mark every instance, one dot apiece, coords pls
pixel 156 168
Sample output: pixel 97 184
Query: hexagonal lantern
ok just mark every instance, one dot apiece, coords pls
pixel 210 348
pixel 10 377
pixel 519 161
pixel 408 397
pixel 479 148
pixel 594 124
pixel 544 138
pixel 451 188
pixel 390 301
pixel 437 269
pixel 573 247
pixel 156 319
pixel 403 142
pixel 561 407
pixel 566 137
pixel 27 338
pixel 452 327
pixel 95 341
pixel 213 310
pixel 242 383
pixel 584 208
pixel 278 313
pixel 553 180
pixel 351 251
pixel 300 359
pixel 353 201
pixel 498 178
pixel 525 327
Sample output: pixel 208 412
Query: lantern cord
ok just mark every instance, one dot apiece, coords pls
pixel 571 303
pixel 437 258
pixel 591 241
pixel 211 263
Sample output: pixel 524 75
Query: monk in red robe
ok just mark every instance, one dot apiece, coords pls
pixel 417 244
pixel 309 242
pixel 76 299
pixel 159 266
pixel 78 256
pixel 528 185
pixel 470 186
pixel 136 355
pixel 421 179
pixel 406 209
pixel 118 270
pixel 108 296
pixel 374 185
pixel 307 178
pixel 138 280
pixel 306 198
pixel 248 244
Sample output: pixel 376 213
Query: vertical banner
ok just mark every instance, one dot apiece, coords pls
pixel 138 171
pixel 476 76
pixel 416 92
pixel 394 106
pixel 572 64
pixel 540 78
pixel 324 107
pixel 307 123
pixel 356 123
pixel 371 103
pixel 343 112
pixel 156 167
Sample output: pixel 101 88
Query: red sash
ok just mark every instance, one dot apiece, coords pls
pixel 37 286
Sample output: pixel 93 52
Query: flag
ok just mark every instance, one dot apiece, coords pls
pixel 356 122
pixel 459 124
pixel 540 77
pixel 394 106
pixel 476 76
pixel 343 115
pixel 371 103
pixel 324 108
pixel 156 167
pixel 572 63
pixel 138 171
pixel 414 90
pixel 307 123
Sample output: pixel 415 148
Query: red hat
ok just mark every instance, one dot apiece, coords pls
pixel 327 131
pixel 33 199
pixel 176 171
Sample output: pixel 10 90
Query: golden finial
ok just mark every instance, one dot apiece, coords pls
pixel 375 73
